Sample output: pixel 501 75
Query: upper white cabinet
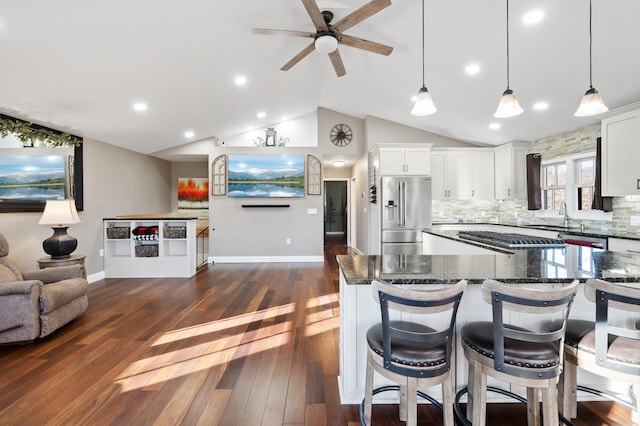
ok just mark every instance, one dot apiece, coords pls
pixel 621 154
pixel 482 174
pixel 404 160
pixel 450 175
pixel 511 171
pixel 462 174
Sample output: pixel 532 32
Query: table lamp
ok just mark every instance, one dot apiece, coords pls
pixel 59 213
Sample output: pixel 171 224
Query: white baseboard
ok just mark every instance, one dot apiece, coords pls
pixel 265 259
pixel 95 277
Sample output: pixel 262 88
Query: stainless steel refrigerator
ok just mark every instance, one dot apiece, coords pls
pixel 406 211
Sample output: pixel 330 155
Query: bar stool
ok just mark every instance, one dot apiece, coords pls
pixel 602 348
pixel 410 353
pixel 526 356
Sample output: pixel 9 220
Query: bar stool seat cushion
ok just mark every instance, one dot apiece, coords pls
pixel 479 337
pixel 581 334
pixel 404 351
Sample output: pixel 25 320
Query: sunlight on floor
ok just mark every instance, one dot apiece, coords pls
pixel 321 317
pixel 214 326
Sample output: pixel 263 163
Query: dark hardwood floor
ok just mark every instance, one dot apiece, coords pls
pixel 238 344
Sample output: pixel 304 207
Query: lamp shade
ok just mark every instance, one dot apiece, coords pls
pixel 326 43
pixel 591 104
pixel 424 103
pixel 508 106
pixel 59 212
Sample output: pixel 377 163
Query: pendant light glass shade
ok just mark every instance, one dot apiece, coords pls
pixel 424 103
pixel 591 103
pixel 508 106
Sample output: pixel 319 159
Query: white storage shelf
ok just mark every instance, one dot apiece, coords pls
pixel 171 252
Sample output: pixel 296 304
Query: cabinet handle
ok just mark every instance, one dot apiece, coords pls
pixel 638 183
pixel 473 192
pixel 509 192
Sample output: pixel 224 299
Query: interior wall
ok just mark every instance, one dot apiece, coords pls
pixel 116 182
pixel 380 131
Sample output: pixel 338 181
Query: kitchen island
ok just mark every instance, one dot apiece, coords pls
pixel 547 266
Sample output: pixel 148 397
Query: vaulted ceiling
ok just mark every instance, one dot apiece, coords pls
pixel 80 65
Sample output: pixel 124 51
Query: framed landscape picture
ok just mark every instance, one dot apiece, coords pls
pixel 266 175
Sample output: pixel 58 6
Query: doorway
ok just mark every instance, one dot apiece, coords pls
pixel 336 212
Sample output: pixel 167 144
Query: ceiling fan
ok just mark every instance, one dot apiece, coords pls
pixel 328 36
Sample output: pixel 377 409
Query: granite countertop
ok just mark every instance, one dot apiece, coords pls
pixel 548 265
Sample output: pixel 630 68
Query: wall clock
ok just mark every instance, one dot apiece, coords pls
pixel 341 135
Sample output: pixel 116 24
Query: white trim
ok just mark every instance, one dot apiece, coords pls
pixel 569 161
pixel 95 277
pixel 265 259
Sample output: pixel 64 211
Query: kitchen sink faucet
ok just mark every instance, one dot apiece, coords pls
pixel 563 212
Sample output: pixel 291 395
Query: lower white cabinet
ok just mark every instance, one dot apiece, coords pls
pixel 623 245
pixel 149 248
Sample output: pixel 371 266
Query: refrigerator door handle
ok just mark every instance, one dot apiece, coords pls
pixel 403 205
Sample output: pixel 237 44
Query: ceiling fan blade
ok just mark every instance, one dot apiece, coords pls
pixel 359 15
pixel 363 44
pixel 336 60
pixel 266 31
pixel 300 56
pixel 316 16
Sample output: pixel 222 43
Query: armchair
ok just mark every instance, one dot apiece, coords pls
pixel 34 304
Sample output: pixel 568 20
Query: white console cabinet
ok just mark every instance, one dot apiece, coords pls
pixel 133 250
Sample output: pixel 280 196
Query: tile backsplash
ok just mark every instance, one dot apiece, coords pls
pixel 515 211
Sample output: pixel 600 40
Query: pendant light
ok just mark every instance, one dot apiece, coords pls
pixel 508 106
pixel 424 103
pixel 591 103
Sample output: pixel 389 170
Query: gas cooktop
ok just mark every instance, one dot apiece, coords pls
pixel 510 240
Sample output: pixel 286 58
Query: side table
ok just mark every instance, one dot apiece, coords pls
pixel 74 259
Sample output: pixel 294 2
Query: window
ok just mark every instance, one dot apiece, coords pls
pixel 585 170
pixel 554 178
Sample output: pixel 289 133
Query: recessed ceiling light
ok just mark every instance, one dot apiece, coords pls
pixel 472 69
pixel 338 163
pixel 240 80
pixel 494 126
pixel 189 134
pixel 261 114
pixel 533 17
pixel 140 106
pixel 540 106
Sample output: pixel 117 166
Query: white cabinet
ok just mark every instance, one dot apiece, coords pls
pixel 462 174
pixel 621 154
pixel 482 174
pixel 149 248
pixel 450 175
pixel 511 171
pixel 623 245
pixel 404 160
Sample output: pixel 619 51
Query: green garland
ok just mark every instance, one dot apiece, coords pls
pixel 29 134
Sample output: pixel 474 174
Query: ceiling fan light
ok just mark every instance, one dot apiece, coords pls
pixel 508 106
pixel 326 44
pixel 591 104
pixel 424 103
